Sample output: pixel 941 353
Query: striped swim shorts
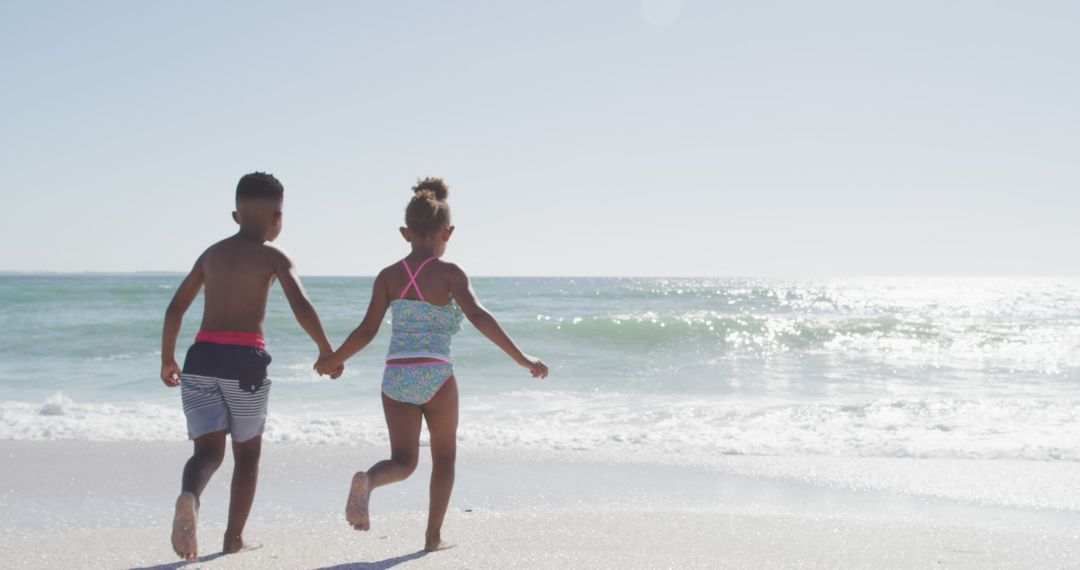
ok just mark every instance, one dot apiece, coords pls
pixel 225 387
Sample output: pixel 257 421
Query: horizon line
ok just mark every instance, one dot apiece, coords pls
pixel 156 273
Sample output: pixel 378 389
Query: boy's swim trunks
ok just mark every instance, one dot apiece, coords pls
pixel 225 386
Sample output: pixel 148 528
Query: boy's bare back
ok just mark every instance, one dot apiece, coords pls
pixel 238 273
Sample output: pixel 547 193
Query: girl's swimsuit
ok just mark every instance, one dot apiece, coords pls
pixel 420 330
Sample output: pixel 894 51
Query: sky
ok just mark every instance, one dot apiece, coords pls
pixel 580 137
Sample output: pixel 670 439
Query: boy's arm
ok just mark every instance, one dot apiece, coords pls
pixel 301 306
pixel 485 322
pixel 365 332
pixel 174 317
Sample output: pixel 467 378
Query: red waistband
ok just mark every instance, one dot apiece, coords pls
pixel 254 340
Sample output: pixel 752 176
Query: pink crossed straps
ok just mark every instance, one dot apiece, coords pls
pixel 412 278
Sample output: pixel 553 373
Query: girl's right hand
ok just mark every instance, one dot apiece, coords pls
pixel 535 366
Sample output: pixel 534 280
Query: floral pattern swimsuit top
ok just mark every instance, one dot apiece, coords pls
pixel 420 329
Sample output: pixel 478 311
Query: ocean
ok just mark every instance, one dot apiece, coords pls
pixel 676 368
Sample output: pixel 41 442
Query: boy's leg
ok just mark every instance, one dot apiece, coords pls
pixel 441 414
pixel 246 400
pixel 209 452
pixel 403 421
pixel 245 476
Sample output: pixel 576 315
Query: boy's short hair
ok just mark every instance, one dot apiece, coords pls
pixel 259 185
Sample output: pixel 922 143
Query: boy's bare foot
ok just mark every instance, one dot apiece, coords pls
pixel 434 542
pixel 235 543
pixel 184 542
pixel 356 509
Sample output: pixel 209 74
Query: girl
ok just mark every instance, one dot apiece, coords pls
pixel 427 298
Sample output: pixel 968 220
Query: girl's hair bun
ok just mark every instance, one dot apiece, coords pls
pixel 428 210
pixel 436 186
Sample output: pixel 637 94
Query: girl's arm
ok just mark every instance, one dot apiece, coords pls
pixel 485 322
pixel 363 334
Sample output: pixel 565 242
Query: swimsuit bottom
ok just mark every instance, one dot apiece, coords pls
pixel 415 383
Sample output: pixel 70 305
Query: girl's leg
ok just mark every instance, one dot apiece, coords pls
pixel 403 422
pixel 441 414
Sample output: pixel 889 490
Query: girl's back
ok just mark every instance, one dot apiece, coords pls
pixel 422 326
pixel 432 279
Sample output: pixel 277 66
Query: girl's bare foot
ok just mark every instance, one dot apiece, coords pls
pixel 356 509
pixel 184 542
pixel 434 542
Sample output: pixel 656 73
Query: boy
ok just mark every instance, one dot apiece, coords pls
pixel 224 386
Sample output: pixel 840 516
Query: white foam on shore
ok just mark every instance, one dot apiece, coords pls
pixel 868 446
pixel 60 418
pixel 1017 429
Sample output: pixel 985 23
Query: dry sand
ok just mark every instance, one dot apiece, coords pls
pixel 70 504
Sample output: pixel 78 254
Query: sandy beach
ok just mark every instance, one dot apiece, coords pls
pixel 108 505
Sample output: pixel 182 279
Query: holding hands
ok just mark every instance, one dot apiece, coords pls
pixel 329 365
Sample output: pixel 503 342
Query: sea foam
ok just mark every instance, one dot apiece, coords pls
pixel 633 425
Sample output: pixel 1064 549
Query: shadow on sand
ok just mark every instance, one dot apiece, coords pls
pixel 381 564
pixel 180 563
